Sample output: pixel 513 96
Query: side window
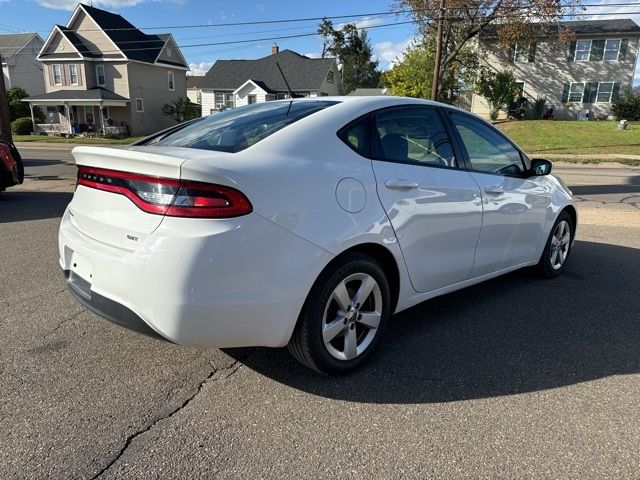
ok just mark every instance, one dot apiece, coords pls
pixel 412 134
pixel 488 151
pixel 356 136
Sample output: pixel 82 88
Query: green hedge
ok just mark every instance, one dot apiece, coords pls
pixel 22 126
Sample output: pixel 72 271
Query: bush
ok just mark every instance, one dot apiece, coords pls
pixel 627 105
pixel 539 108
pixel 498 88
pixel 22 126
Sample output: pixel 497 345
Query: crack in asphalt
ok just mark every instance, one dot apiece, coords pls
pixel 61 323
pixel 215 374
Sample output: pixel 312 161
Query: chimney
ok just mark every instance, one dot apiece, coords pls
pixel 274 49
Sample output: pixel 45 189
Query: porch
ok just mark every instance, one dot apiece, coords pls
pixel 68 116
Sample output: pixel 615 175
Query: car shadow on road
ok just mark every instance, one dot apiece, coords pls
pixel 511 335
pixel 21 205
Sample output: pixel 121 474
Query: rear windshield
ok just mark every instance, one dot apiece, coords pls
pixel 239 128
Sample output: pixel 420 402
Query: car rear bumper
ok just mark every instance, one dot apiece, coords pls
pixel 215 283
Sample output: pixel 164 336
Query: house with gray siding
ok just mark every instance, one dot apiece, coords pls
pixel 579 78
pixel 19 65
pixel 232 83
pixel 102 74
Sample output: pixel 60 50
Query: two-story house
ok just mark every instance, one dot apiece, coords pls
pixel 19 65
pixel 578 78
pixel 232 83
pixel 103 74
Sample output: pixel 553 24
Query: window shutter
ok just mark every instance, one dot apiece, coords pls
pixel 590 93
pixel 50 69
pixel 565 93
pixel 597 51
pixel 512 53
pixel 532 52
pixel 616 91
pixel 624 47
pixel 79 71
pixel 572 51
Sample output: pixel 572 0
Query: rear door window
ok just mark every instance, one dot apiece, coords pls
pixel 239 128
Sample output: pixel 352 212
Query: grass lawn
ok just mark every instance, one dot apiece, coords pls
pixel 76 140
pixel 588 139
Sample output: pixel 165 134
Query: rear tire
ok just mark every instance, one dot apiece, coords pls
pixel 344 317
pixel 558 248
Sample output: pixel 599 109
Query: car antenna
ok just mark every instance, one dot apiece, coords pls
pixel 287 84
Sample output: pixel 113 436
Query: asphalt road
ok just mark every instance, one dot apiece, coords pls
pixel 515 378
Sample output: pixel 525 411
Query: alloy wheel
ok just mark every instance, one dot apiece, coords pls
pixel 352 316
pixel 560 243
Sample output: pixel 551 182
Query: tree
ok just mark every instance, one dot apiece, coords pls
pixel 511 20
pixel 18 108
pixel 499 89
pixel 626 106
pixel 413 75
pixel 353 50
pixel 181 110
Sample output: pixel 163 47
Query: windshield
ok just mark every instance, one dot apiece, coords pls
pixel 239 128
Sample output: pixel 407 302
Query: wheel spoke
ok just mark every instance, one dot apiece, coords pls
pixel 350 344
pixel 554 241
pixel 565 239
pixel 370 319
pixel 333 329
pixel 341 295
pixel 554 256
pixel 561 256
pixel 365 290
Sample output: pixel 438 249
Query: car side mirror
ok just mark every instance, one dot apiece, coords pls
pixel 540 166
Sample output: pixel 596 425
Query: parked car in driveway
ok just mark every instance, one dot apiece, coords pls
pixel 306 223
pixel 11 167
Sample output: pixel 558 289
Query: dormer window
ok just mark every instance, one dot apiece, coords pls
pixel 171 80
pixel 100 78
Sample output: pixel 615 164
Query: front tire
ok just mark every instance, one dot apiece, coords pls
pixel 556 253
pixel 343 318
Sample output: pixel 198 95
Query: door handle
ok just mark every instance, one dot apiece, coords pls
pixel 400 185
pixel 493 190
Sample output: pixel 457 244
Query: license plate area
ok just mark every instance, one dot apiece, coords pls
pixel 80 274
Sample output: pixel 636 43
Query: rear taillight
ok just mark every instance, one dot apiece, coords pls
pixel 166 196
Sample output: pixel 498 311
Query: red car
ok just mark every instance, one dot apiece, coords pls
pixel 11 167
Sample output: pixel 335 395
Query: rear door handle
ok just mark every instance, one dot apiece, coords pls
pixel 400 184
pixel 493 190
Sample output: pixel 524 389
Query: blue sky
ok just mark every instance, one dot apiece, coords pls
pixel 388 41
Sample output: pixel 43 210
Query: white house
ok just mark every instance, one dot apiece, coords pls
pixel 232 83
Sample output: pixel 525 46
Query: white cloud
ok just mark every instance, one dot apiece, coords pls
pixel 199 68
pixel 366 22
pixel 391 52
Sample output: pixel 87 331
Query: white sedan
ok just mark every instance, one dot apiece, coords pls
pixel 306 223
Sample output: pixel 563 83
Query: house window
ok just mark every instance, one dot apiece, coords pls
pixel 251 99
pixel 168 51
pixel 219 100
pixel 88 115
pixel 575 92
pixel 521 53
pixel 230 103
pixel 583 48
pixel 73 73
pixel 612 49
pixel 57 75
pixel 281 96
pixel 605 90
pixel 139 105
pixel 171 78
pixel 330 77
pixel 100 78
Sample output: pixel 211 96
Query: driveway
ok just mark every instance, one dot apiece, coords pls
pixel 515 378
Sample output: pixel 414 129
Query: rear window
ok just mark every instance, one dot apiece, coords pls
pixel 239 128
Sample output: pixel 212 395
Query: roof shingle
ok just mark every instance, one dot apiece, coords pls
pixel 10 44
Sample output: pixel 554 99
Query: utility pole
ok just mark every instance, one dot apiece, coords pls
pixel 435 85
pixel 5 125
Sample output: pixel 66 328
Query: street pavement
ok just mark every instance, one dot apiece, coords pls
pixel 515 378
